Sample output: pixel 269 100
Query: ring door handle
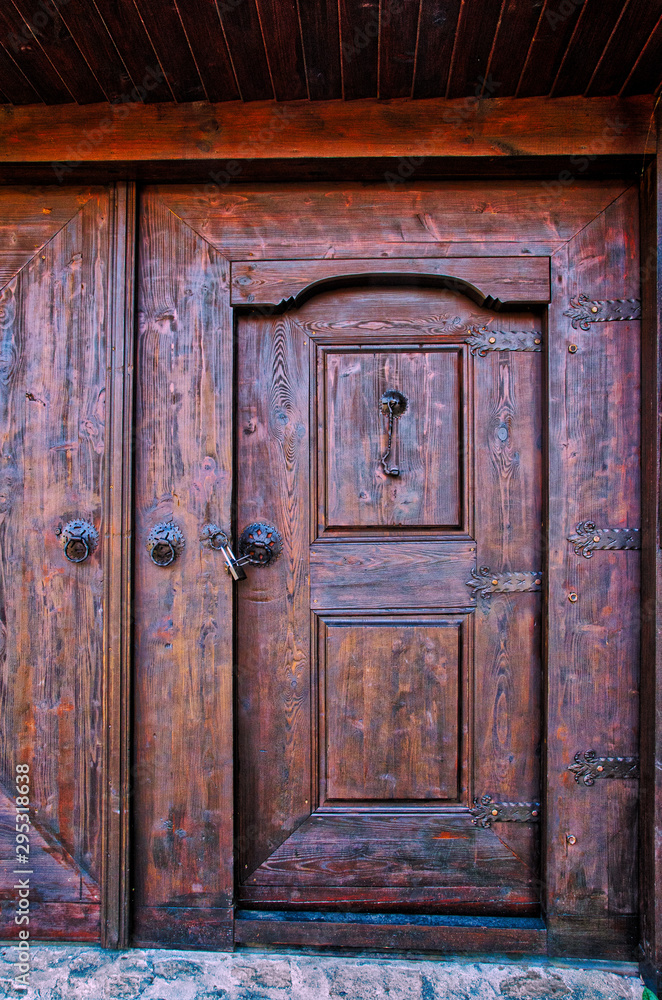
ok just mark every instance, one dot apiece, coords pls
pixel 79 539
pixel 165 542
pixel 259 544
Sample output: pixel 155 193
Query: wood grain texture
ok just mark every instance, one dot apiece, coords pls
pixel 303 221
pixel 209 49
pixel 498 281
pixel 31 216
pixel 182 756
pixel 427 441
pixel 75 922
pixel 622 50
pixel 54 388
pixel 24 50
pixel 168 38
pixel 279 22
pixel 359 47
pixel 118 592
pixel 241 27
pixel 650 811
pixel 548 46
pixel 380 675
pixel 273 617
pixel 476 29
pixel 320 37
pixel 517 25
pixel 593 643
pixel 398 34
pixel 594 25
pixel 131 40
pixel 502 127
pixel 210 929
pixel 434 50
pixel 259 933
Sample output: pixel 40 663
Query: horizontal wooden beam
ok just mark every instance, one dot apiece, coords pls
pixel 468 127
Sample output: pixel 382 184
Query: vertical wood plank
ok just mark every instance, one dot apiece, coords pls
pixel 182 774
pixel 117 567
pixel 593 640
pixel 651 577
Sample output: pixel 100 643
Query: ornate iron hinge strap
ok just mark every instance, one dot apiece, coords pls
pixel 587 537
pixel 484 582
pixel 482 340
pixel 588 766
pixel 486 812
pixel 584 311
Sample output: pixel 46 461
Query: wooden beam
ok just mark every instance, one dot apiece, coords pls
pixel 576 127
pixel 651 575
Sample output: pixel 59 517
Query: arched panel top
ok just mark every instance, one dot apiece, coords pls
pixel 493 282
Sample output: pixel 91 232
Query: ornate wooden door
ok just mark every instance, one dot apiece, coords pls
pixel 388 659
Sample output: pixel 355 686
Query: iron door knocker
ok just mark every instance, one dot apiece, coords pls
pixel 79 539
pixel 165 542
pixel 393 404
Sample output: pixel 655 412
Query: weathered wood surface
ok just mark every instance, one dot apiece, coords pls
pixel 506 280
pixel 259 933
pixel 53 445
pixel 30 217
pixel 182 751
pixel 303 221
pixel 568 126
pixel 650 814
pixel 593 642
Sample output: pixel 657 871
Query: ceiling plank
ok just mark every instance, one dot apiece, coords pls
pixel 359 47
pixel 90 34
pixel 205 35
pixel 597 20
pixel 436 36
pixel 54 39
pixel 23 48
pixel 279 20
pixel 14 84
pixel 163 25
pixel 321 46
pixel 501 127
pixel 637 23
pixel 398 30
pixel 127 31
pixel 473 44
pixel 241 25
pixel 517 26
pixel 547 48
pixel 646 76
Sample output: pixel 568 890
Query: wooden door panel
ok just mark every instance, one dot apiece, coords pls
pixel 426 443
pixel 183 613
pixel 376 715
pixel 390 693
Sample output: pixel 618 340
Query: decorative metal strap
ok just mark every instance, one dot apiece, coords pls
pixel 483 340
pixel 486 812
pixel 584 310
pixel 588 766
pixel 484 583
pixel 587 537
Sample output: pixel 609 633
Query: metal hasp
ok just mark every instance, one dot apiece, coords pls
pixel 215 538
pixel 587 537
pixel 484 582
pixel 165 542
pixel 588 767
pixel 483 340
pixel 584 311
pixel 79 539
pixel 392 404
pixel 486 812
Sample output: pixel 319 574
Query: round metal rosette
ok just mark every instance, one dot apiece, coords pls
pixel 79 539
pixel 260 543
pixel 165 542
pixel 213 537
pixel 393 401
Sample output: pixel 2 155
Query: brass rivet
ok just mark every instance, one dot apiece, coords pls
pixel 537 341
pixel 495 812
pixel 492 340
pixel 495 583
pixel 573 348
pixel 572 597
pixel 571 839
pixel 600 767
pixel 536 583
pixel 596 538
pixel 534 812
pixel 594 309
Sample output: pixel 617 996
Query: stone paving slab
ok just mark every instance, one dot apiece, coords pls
pixel 65 972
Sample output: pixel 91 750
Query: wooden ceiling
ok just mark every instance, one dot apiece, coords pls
pixel 89 51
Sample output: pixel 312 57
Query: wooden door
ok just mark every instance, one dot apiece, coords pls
pixel 388 660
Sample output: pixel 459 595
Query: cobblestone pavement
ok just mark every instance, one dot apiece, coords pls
pixel 64 972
